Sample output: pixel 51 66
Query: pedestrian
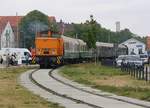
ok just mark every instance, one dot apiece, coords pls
pixel 11 60
pixel 27 58
pixel 15 59
pixel 1 60
pixel 122 64
pixel 7 60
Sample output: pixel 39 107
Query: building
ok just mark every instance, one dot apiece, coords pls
pixel 11 23
pixel 148 43
pixel 134 46
pixel 117 26
pixel 9 26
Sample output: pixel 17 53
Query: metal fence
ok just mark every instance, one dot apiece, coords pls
pixel 138 72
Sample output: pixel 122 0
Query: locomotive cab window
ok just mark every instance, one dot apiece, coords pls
pixel 26 53
pixel 56 35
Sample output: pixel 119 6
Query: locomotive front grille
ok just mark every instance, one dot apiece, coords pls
pixel 46 52
pixel 49 51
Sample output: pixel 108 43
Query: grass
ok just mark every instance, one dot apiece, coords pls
pixel 107 79
pixel 12 95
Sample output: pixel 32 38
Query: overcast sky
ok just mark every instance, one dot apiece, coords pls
pixel 132 14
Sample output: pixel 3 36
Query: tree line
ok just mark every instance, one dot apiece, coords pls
pixel 90 31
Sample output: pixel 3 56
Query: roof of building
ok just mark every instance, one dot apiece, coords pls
pixel 132 39
pixel 14 20
pixel 70 40
pixel 103 44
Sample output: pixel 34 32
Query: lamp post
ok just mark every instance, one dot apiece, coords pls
pixel 23 39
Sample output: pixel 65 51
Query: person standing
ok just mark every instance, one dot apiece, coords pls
pixel 1 60
pixel 15 59
pixel 27 59
pixel 7 60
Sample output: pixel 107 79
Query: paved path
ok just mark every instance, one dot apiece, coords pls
pixel 25 81
pixel 43 78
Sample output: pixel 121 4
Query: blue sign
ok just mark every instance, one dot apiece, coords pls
pixel 139 46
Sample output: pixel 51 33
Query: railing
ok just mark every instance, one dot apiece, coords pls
pixel 138 72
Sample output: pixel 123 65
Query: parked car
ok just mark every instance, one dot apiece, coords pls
pixel 144 57
pixel 133 61
pixel 129 59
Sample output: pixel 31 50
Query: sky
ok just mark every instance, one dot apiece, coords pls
pixel 132 14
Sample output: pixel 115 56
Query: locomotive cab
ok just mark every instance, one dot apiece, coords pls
pixel 49 49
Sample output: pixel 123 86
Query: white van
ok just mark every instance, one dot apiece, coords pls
pixel 20 52
pixel 126 58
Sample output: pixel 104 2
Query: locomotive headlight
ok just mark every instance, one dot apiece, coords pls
pixel 46 49
pixel 53 51
pixel 38 51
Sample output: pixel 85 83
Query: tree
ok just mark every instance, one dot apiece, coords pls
pixel 88 31
pixel 91 31
pixel 33 22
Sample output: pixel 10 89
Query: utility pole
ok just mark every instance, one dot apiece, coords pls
pixel 62 27
pixel 95 52
pixel 109 37
pixel 0 38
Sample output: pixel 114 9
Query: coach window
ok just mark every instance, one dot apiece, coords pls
pixel 67 45
pixel 78 47
pixel 75 47
pixel 71 46
pixel 83 47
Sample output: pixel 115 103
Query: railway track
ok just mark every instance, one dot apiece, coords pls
pixel 48 82
pixel 96 94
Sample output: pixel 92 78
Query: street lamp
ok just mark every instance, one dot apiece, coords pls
pixel 23 40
